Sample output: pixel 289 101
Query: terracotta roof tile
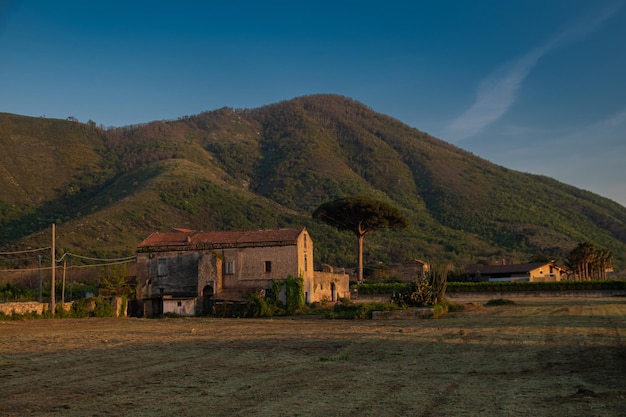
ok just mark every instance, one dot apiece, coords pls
pixel 188 238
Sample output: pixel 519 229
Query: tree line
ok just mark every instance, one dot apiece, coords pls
pixel 588 262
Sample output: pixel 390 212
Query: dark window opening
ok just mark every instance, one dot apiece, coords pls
pixel 162 267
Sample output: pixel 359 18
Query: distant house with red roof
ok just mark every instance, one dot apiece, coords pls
pixel 186 272
pixel 533 272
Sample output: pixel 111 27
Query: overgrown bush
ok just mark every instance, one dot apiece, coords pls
pixel 92 307
pixel 103 308
pixel 427 290
pixel 382 288
pixel 14 293
pixel 445 307
pixel 358 311
pixel 80 308
pixel 259 306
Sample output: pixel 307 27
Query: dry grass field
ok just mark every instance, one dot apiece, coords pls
pixel 539 357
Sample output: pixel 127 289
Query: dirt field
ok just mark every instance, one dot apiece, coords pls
pixel 559 357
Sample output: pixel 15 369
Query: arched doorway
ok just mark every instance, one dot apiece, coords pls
pixel 207 299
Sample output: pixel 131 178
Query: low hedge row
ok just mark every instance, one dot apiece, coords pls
pixel 382 288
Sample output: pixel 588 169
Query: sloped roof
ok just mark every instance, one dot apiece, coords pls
pixel 508 269
pixel 183 239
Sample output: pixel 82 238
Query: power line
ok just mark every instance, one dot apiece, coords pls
pixel 43 268
pixel 47 268
pixel 98 265
pixel 103 262
pixel 24 251
pixel 95 259
pixel 21 259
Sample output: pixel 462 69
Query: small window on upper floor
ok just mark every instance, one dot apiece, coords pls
pixel 229 268
pixel 268 266
pixel 162 267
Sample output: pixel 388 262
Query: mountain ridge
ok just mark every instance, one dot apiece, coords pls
pixel 270 167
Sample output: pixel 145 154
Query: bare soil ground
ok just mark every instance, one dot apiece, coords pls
pixel 536 358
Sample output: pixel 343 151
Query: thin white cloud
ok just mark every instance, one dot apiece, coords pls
pixel 597 137
pixel 589 157
pixel 498 92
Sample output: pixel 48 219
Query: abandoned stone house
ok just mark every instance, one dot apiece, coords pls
pixel 409 271
pixel 186 272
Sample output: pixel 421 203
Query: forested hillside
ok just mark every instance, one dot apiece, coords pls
pixel 107 189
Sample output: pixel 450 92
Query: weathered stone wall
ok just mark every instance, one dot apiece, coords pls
pixel 518 294
pixel 29 307
pixel 179 280
pixel 327 286
pixel 120 307
pixel 209 273
pixel 409 271
pixel 182 307
pixel 250 265
pixel 23 308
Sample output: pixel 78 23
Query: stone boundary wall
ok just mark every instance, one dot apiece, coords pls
pixel 23 308
pixel 521 294
pixel 366 298
pixel 29 307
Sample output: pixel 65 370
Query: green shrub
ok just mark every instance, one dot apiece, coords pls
pixel 94 306
pixel 103 308
pixel 445 307
pixel 454 307
pixel 439 310
pixel 383 288
pixel 258 306
pixel 358 311
pixel 15 293
pixel 80 308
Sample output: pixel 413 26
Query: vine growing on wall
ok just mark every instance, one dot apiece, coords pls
pixel 294 292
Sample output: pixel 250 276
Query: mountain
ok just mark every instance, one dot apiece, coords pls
pixel 107 189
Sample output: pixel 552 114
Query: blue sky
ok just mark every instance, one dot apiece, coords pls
pixel 536 86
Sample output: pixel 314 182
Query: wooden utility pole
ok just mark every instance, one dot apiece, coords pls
pixel 63 286
pixel 40 298
pixel 53 261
